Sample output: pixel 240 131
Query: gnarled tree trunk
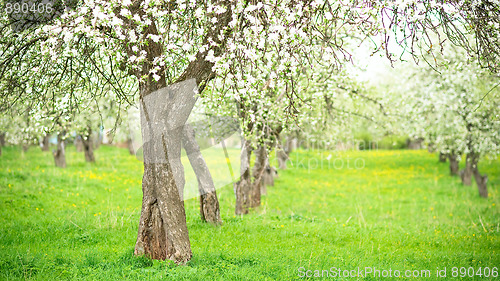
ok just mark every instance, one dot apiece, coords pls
pixel 209 204
pixel 163 230
pixel 453 164
pixel 59 153
pixel 162 227
pixel 242 187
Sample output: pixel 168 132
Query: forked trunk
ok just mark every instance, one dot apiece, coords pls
pixel 242 187
pixel 258 170
pixel 59 153
pixel 163 232
pixel 209 204
pixel 45 143
pixel 453 164
pixel 442 157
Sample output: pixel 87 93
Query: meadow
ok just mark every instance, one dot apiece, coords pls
pixel 383 209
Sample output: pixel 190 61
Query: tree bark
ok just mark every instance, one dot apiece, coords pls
pixel 78 143
pixel 269 174
pixel 242 187
pixel 130 146
pixel 466 173
pixel 45 143
pixel 453 164
pixel 258 171
pixel 481 181
pixel 59 153
pixel 163 230
pixel 442 157
pixel 2 138
pixel 414 144
pixel 282 158
pixel 88 147
pixel 209 204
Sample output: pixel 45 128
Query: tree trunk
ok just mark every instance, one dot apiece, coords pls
pixel 453 164
pixel 414 144
pixel 78 143
pixel 2 138
pixel 209 204
pixel 130 145
pixel 282 158
pixel 269 174
pixel 442 157
pixel 88 147
pixel 481 182
pixel 162 229
pixel 25 147
pixel 163 232
pixel 242 187
pixel 2 141
pixel 258 171
pixel 45 143
pixel 466 174
pixel 59 153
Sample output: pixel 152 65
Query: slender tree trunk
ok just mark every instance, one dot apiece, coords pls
pixel 88 148
pixel 45 143
pixel 209 204
pixel 258 170
pixel 59 153
pixel 25 146
pixel 78 143
pixel 453 164
pixel 442 157
pixel 242 187
pixel 466 174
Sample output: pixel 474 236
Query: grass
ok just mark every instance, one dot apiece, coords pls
pixel 397 210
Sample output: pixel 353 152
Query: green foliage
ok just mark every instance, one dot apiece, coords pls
pixel 401 211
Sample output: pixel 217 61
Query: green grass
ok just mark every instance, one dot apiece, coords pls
pixel 393 209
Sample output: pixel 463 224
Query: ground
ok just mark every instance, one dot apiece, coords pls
pixel 384 210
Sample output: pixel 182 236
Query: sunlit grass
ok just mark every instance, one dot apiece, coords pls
pixel 398 210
